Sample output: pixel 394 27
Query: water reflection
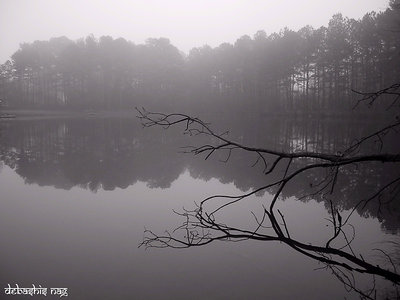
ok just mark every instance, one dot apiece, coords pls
pixel 111 153
pixel 77 193
pixel 88 242
pixel 92 153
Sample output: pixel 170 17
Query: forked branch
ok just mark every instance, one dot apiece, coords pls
pixel 204 225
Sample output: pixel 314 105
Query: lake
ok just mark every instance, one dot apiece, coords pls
pixel 78 193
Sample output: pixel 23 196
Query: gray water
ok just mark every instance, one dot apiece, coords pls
pixel 77 194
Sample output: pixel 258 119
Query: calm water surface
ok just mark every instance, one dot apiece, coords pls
pixel 77 194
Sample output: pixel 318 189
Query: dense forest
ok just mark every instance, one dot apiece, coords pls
pixel 309 70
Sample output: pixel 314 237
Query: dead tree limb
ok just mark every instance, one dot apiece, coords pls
pixel 202 226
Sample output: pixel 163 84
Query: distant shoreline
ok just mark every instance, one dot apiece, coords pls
pixel 131 113
pixel 43 113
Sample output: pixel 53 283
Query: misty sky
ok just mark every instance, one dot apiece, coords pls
pixel 186 23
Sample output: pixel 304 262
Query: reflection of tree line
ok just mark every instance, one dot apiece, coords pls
pixel 87 153
pixel 115 153
pixel 353 185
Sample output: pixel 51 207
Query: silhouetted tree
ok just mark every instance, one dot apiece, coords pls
pixel 208 221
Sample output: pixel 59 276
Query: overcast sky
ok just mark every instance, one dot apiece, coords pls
pixel 187 23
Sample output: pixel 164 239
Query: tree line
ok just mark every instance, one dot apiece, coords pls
pixel 309 70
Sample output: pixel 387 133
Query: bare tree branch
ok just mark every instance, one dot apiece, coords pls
pixel 204 225
pixel 371 97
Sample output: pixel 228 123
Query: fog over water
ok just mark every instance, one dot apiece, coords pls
pixel 199 149
pixel 78 194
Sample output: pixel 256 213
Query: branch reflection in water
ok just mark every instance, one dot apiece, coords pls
pixel 73 152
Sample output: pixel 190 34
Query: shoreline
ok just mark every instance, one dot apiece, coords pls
pixel 46 114
pixel 19 114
